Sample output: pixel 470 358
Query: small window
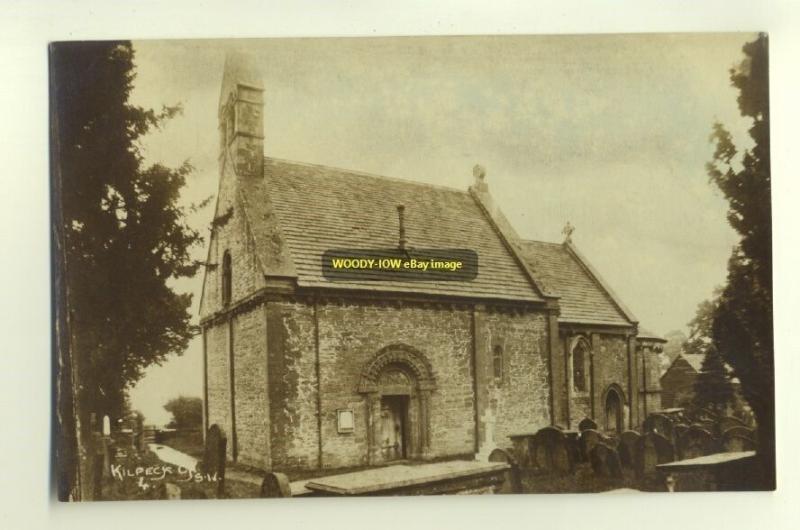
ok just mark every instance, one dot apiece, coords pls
pixel 579 366
pixel 497 363
pixel 226 278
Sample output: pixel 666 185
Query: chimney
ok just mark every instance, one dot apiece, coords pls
pixel 402 225
pixel 241 117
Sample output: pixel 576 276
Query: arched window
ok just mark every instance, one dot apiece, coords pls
pixel 497 363
pixel 226 278
pixel 579 353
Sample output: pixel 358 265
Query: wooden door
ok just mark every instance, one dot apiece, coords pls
pixel 393 427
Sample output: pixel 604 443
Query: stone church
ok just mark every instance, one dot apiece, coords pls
pixel 301 372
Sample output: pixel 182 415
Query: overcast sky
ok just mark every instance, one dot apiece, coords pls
pixel 607 132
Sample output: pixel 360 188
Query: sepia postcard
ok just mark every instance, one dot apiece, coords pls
pixel 411 266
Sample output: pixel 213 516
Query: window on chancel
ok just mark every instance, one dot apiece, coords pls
pixel 579 354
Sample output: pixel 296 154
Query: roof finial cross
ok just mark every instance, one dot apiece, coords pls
pixel 567 231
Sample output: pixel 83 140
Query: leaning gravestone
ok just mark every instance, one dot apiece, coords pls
pixel 214 458
pixel 605 461
pixel 697 442
pixel 651 449
pixel 627 448
pixel 586 424
pixel 275 485
pixel 512 482
pixel 550 451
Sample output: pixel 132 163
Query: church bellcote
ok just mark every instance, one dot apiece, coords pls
pixel 241 116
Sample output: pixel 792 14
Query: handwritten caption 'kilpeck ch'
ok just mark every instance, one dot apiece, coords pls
pixel 160 472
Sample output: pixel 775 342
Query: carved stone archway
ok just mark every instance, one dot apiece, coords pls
pixel 398 370
pixel 614 408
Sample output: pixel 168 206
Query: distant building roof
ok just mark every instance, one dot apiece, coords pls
pixel 298 211
pixel 584 299
pixel 695 360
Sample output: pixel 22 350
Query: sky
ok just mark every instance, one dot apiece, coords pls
pixel 608 132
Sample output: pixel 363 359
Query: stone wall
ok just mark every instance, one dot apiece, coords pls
pixel 293 358
pixel 519 400
pixel 350 335
pixel 233 235
pixel 607 365
pixel 292 385
pixel 250 389
pixel 218 377
pixel 610 366
pixel 649 368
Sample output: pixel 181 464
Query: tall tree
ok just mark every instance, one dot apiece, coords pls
pixel 124 234
pixel 742 323
pixel 713 386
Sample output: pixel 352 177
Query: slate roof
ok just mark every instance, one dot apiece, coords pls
pixel 298 211
pixel 583 298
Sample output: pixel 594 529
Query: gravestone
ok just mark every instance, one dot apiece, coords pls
pixel 574 446
pixel 679 430
pixel 605 461
pixel 627 448
pixel 523 448
pixel 697 442
pixel 590 438
pixel 512 482
pixel 550 451
pixel 733 442
pixel 708 425
pixel 728 422
pixel 587 423
pixel 740 431
pixel 275 485
pixel 651 449
pixel 706 414
pixel 214 457
pixel 661 424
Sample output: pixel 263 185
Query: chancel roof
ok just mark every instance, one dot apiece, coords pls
pixel 583 298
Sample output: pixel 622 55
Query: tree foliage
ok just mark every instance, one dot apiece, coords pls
pixel 742 321
pixel 125 234
pixel 674 345
pixel 713 387
pixel 187 412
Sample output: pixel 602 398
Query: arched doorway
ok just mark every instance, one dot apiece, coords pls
pixel 614 409
pixel 396 385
